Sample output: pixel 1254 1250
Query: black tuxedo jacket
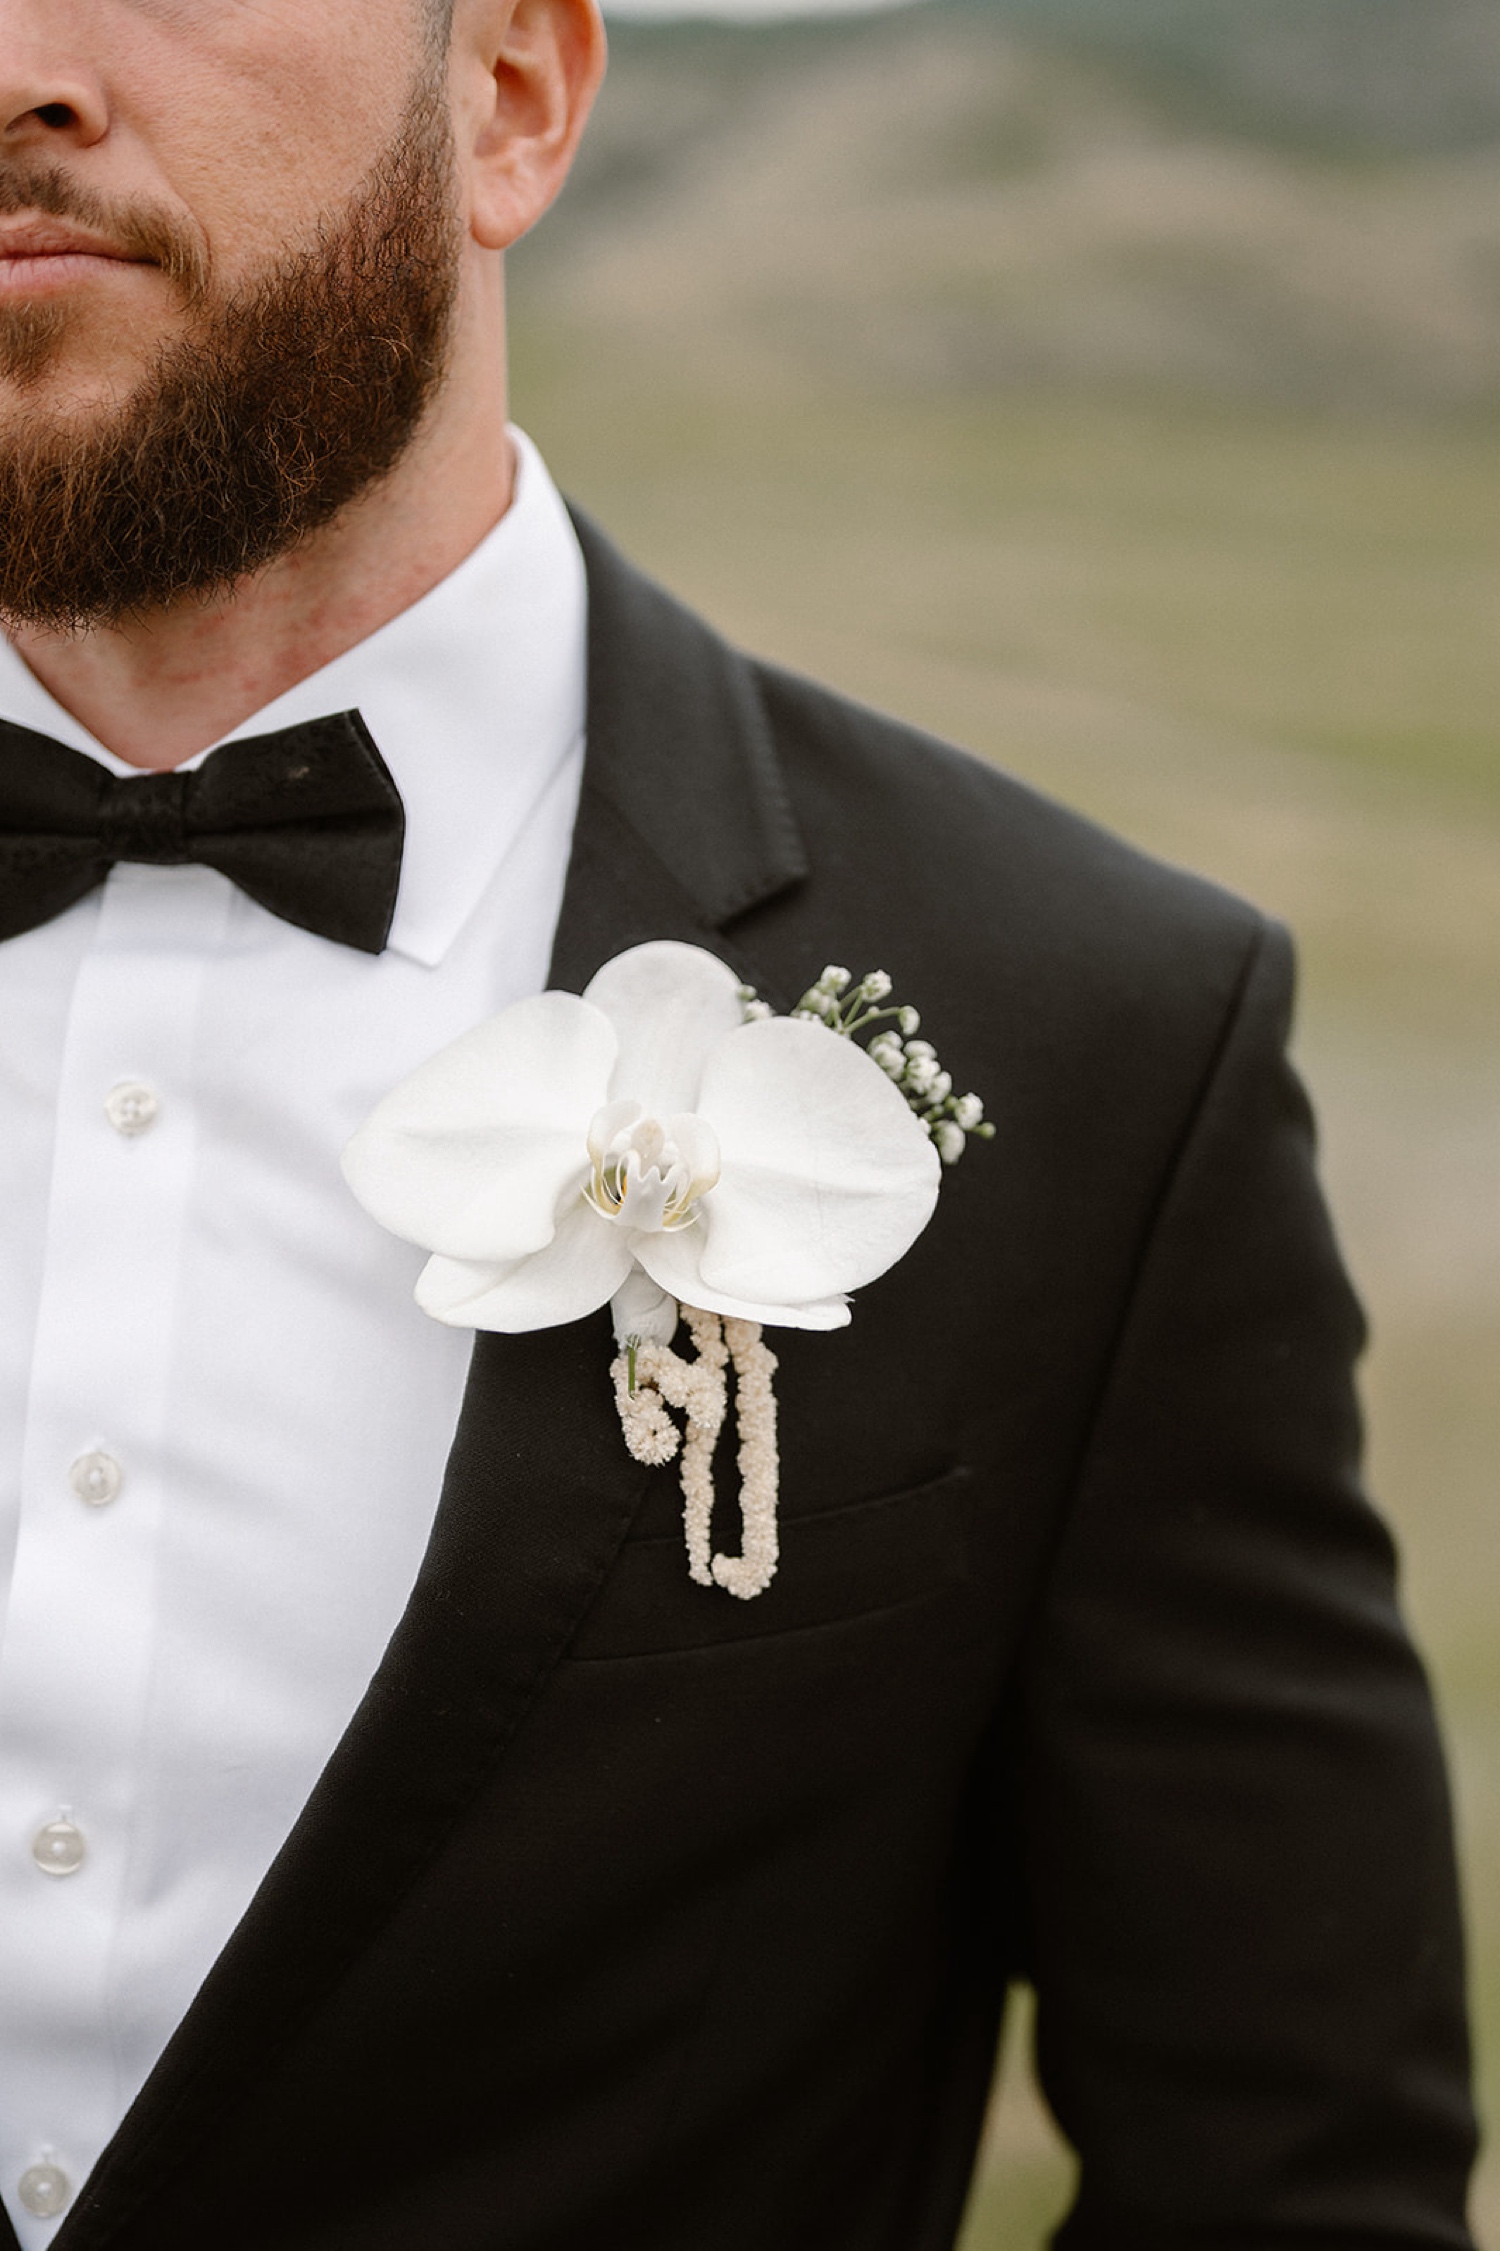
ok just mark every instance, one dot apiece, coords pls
pixel 629 1914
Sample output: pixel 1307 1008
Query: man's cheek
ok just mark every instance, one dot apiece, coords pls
pixel 258 116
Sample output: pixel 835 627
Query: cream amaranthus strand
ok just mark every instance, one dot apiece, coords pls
pixel 651 1377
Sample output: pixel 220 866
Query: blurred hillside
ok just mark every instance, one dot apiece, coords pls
pixel 1295 200
pixel 1362 76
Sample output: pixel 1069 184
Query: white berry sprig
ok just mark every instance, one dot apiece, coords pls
pixel 854 1008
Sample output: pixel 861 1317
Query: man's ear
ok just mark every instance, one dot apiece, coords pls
pixel 525 76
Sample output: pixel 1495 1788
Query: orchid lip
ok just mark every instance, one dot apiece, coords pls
pixel 649 1174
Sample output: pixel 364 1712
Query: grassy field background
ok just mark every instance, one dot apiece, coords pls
pixel 1091 402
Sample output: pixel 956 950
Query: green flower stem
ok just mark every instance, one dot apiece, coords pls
pixel 855 1023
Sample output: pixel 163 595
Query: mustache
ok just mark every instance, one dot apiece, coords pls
pixel 134 229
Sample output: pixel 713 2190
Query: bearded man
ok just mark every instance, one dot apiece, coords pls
pixel 400 1845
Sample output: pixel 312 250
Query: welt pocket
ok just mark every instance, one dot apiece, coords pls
pixel 837 1564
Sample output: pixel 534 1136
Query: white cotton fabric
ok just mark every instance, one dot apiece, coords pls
pixel 208 1304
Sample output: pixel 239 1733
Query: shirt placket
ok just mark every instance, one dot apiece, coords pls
pixel 75 1668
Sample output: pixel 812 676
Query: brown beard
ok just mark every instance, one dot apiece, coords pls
pixel 285 400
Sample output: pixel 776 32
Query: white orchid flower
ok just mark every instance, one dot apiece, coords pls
pixel 646 1145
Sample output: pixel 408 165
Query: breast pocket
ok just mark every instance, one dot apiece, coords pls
pixel 836 1564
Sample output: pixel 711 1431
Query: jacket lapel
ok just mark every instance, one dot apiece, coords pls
pixel 683 823
pixel 684 820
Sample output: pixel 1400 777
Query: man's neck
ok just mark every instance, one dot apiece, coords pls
pixel 159 689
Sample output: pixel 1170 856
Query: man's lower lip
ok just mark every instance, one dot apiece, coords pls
pixel 40 276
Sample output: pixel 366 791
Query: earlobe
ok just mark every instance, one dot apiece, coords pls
pixel 542 67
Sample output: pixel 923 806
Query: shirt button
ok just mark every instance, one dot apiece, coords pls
pixel 59 1849
pixel 96 1478
pixel 132 1108
pixel 45 2190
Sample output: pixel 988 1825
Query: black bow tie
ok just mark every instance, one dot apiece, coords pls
pixel 307 821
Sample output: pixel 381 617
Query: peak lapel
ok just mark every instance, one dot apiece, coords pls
pixel 683 823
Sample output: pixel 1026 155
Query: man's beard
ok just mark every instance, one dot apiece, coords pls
pixel 284 401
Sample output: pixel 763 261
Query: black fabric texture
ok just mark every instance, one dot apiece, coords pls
pixel 307 821
pixel 628 1914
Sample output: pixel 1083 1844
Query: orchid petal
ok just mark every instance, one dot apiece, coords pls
pixel 670 1005
pixel 673 1262
pixel 476 1153
pixel 827 1177
pixel 697 1147
pixel 581 1268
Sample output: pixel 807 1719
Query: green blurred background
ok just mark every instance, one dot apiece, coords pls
pixel 1114 386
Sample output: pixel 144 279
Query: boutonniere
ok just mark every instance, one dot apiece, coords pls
pixel 669 1147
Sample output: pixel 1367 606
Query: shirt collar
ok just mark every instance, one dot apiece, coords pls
pixel 476 697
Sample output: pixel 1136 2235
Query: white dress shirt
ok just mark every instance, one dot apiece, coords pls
pixel 223 1421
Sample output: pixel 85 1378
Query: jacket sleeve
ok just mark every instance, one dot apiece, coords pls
pixel 1238 1858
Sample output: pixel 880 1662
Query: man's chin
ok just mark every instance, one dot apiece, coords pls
pixel 59 362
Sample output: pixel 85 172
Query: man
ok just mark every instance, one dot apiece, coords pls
pixel 389 1870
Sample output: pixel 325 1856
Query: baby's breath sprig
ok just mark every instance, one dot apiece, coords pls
pixel 853 1007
